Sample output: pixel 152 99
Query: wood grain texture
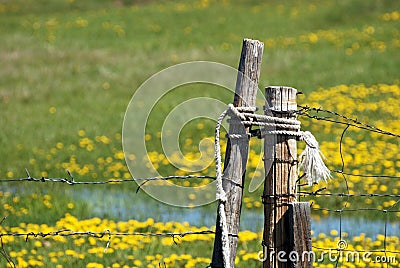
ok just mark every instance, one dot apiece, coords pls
pixel 280 182
pixel 237 149
pixel 300 228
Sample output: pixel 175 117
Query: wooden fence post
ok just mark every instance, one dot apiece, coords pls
pixel 237 150
pixel 300 238
pixel 286 231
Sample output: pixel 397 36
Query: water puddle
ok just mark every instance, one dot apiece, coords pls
pixel 124 206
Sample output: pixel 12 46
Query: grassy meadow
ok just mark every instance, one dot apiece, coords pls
pixel 69 68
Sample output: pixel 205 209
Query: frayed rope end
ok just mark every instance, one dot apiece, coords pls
pixel 311 161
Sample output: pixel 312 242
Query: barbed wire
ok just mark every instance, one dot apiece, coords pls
pixel 68 232
pixel 98 235
pixel 110 181
pixel 357 250
pixel 305 111
pixel 71 181
pixel 184 177
pixel 366 175
pixel 315 193
pixel 356 209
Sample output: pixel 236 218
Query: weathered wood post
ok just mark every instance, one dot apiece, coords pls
pixel 237 150
pixel 287 233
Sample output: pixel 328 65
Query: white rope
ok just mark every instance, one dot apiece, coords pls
pixel 311 159
pixel 238 136
pixel 221 195
pixel 282 132
pixel 266 124
pixel 269 118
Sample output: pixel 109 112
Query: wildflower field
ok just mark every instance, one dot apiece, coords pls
pixel 69 68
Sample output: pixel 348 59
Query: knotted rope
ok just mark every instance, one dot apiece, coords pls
pixel 311 159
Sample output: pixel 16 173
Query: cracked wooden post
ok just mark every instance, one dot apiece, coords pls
pixel 287 227
pixel 237 150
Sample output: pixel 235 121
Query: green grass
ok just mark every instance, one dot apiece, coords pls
pixel 68 66
pixel 69 72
